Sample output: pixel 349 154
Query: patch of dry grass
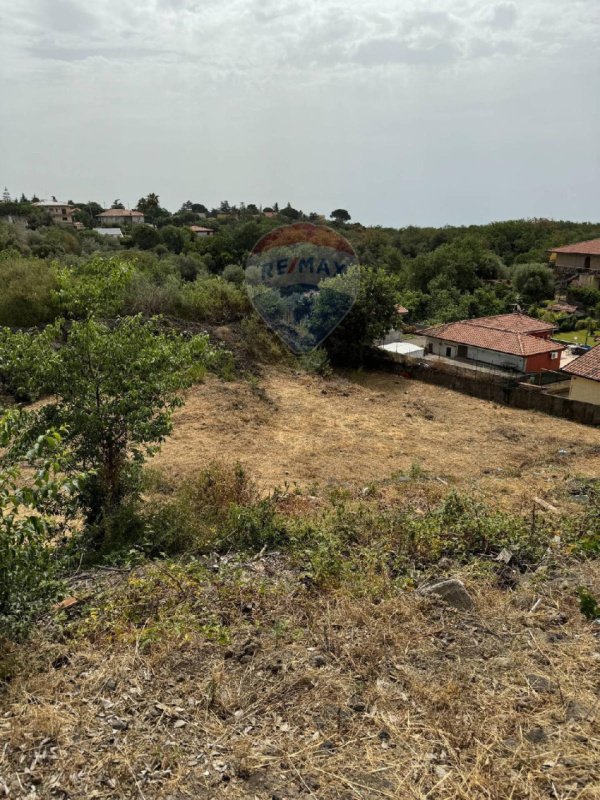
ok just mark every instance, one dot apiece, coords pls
pixel 259 687
pixel 360 428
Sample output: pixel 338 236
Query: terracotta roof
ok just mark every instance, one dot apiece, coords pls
pixel 200 229
pixel 120 212
pixel 515 323
pixel 401 310
pixel 591 247
pixel 564 308
pixel 586 366
pixel 470 332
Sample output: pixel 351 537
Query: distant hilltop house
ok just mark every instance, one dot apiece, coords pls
pixel 578 263
pixel 120 216
pixel 60 212
pixel 585 377
pixel 199 230
pixel 515 342
pixel 269 212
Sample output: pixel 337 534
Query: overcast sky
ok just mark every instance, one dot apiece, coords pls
pixel 445 112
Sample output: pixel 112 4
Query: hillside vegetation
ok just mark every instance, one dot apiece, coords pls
pixel 230 572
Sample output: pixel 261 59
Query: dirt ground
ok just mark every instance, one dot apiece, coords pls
pixel 362 427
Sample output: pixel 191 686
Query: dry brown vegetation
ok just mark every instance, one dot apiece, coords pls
pixel 251 685
pixel 364 427
pixel 237 677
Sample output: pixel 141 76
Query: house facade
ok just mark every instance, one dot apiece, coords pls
pixel 578 263
pixel 513 342
pixel 120 216
pixel 200 230
pixel 585 377
pixel 60 212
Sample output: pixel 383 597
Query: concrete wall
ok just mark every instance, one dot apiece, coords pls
pixel 492 357
pixel 585 390
pixel 506 391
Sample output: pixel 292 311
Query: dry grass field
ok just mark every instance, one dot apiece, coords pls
pixel 365 427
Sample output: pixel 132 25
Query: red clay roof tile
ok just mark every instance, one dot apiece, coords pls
pixel 481 333
pixel 586 366
pixel 591 247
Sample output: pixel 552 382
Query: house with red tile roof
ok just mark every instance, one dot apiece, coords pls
pixel 578 262
pixel 585 377
pixel 515 342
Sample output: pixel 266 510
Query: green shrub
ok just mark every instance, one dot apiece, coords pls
pixel 220 510
pixel 27 296
pixel 316 363
pixel 34 514
pixel 213 300
pixel 113 387
pixel 261 343
pixel 234 274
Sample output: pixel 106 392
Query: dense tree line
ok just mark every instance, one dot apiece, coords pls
pixel 439 274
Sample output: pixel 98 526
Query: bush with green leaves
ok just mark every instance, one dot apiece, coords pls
pixel 114 387
pixel 219 510
pixel 35 512
pixel 213 300
pixel 28 292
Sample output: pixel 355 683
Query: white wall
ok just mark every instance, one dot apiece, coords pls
pixel 491 357
pixel 585 390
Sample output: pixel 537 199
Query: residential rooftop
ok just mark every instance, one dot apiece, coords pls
pixel 516 322
pixel 470 332
pixel 586 366
pixel 591 247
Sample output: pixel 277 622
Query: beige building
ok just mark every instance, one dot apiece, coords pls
pixel 585 377
pixel 200 230
pixel 60 212
pixel 578 263
pixel 120 216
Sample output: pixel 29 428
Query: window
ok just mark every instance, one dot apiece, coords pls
pixel 554 354
pixel 448 352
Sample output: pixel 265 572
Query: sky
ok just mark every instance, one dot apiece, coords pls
pixel 403 112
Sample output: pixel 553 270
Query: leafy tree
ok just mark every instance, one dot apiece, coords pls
pixel 173 238
pixel 533 282
pixel 234 274
pixel 27 296
pixel 340 215
pixel 35 512
pixel 290 213
pixel 145 237
pixel 113 389
pixel 372 316
pixel 117 204
pixel 97 286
